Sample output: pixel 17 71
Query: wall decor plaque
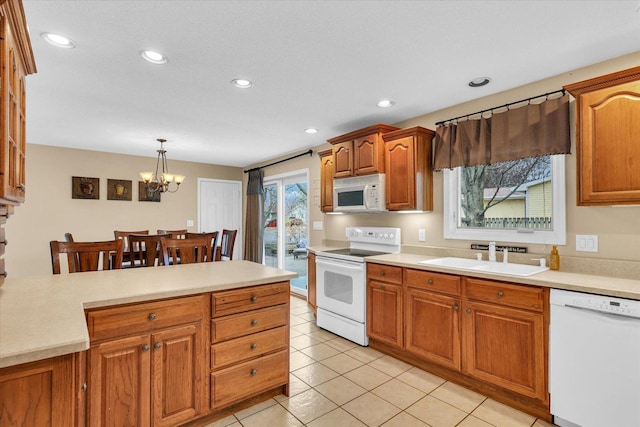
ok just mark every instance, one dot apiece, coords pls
pixel 85 188
pixel 145 194
pixel 118 189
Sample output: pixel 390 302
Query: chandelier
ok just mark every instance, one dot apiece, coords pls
pixel 161 179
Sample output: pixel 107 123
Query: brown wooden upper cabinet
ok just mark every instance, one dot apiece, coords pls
pixel 360 152
pixel 409 175
pixel 607 135
pixel 326 180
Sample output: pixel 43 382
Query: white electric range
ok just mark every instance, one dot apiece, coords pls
pixel 341 292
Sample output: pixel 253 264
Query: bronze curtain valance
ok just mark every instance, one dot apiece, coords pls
pixel 529 131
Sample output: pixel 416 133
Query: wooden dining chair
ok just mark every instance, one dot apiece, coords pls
pixel 213 236
pixel 124 235
pixel 184 251
pixel 227 242
pixel 144 250
pixel 87 256
pixel 175 234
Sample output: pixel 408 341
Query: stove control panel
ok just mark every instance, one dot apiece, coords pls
pixel 375 235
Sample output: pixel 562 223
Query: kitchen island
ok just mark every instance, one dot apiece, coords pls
pixel 169 339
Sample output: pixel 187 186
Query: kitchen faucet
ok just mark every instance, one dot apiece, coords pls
pixel 492 251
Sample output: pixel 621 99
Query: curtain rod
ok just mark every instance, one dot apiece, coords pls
pixel 502 106
pixel 310 152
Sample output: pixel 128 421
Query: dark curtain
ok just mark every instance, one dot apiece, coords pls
pixel 255 217
pixel 530 131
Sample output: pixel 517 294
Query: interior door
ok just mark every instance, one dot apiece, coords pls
pixel 220 206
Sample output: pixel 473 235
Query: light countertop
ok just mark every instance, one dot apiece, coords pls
pixel 43 316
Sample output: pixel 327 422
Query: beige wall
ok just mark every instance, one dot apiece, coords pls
pixel 49 211
pixel 618 228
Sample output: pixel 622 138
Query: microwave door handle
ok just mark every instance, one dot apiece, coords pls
pixel 366 196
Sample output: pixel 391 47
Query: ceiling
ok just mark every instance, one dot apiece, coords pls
pixel 320 64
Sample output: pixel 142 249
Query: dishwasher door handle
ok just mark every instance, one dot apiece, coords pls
pixel 604 313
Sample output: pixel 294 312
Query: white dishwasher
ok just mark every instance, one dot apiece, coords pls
pixel 594 360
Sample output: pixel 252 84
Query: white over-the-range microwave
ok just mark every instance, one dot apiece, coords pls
pixel 360 194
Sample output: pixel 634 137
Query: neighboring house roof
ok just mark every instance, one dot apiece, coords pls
pixel 503 192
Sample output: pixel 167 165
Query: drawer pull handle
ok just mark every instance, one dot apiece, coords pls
pixel 254 298
pixel 145 347
pixel 254 322
pixel 382 273
pixel 500 294
pixel 253 372
pixel 468 311
pixel 254 346
pixel 4 274
pixel 382 287
pixel 157 346
pixel 5 242
pixel 430 281
pixel 456 308
pixel 152 316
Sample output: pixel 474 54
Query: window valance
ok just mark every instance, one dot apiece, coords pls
pixel 529 131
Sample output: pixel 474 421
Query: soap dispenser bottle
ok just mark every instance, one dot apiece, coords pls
pixel 554 259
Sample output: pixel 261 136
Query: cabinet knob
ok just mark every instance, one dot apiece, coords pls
pixel 456 308
pixel 152 316
pixel 157 346
pixel 5 242
pixel 382 287
pixel 430 281
pixel 254 298
pixel 253 372
pixel 4 274
pixel 22 187
pixel 382 273
pixel 254 322
pixel 254 346
pixel 84 387
pixel 468 311
pixel 500 294
pixel 145 347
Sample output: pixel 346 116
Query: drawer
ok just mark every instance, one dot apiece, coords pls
pixel 250 378
pixel 384 273
pixel 249 347
pixel 144 317
pixel 238 301
pixel 436 282
pixel 239 325
pixel 512 295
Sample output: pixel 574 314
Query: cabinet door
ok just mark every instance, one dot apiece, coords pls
pixel 384 312
pixel 311 281
pixel 179 364
pixel 368 155
pixel 433 327
pixel 326 181
pixel 119 382
pixel 608 149
pixel 505 347
pixel 343 159
pixel 400 174
pixel 38 393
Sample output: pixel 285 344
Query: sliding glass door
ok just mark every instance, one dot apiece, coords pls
pixel 286 213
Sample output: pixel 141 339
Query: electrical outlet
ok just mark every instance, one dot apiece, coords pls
pixel 317 225
pixel 586 243
pixel 422 235
pixel 189 223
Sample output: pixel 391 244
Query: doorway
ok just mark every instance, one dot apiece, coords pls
pixel 285 232
pixel 220 206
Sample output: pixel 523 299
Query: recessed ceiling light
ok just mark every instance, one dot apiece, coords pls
pixel 242 83
pixel 479 82
pixel 385 103
pixel 58 40
pixel 153 57
pixel 311 130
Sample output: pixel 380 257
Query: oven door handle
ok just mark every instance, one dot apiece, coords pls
pixel 340 264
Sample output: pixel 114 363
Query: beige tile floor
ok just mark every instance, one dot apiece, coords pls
pixel 336 383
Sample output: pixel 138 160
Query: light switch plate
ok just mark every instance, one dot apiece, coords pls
pixel 189 223
pixel 422 235
pixel 317 225
pixel 586 243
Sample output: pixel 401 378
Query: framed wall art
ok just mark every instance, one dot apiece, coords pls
pixel 118 189
pixel 85 188
pixel 146 195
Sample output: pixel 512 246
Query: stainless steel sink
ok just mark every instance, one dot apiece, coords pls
pixel 509 269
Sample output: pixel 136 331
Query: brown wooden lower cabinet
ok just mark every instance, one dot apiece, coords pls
pixel 38 393
pixel 487 335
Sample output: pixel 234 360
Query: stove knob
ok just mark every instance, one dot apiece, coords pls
pixel 391 236
pixel 386 236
